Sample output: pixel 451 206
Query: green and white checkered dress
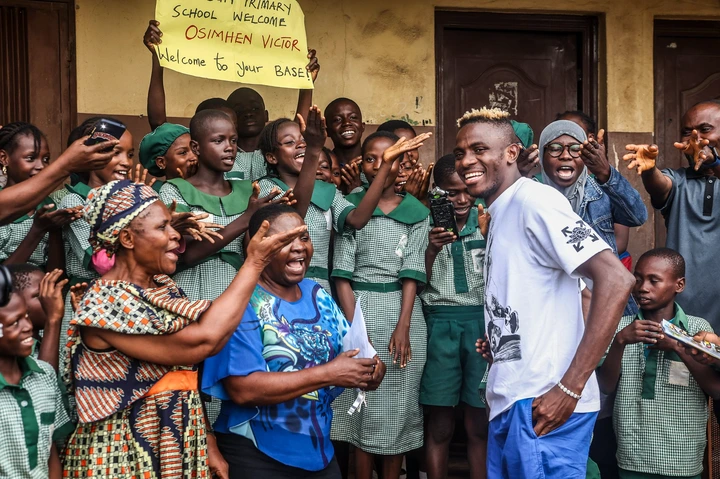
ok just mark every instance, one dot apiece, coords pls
pixel 32 416
pixel 661 413
pixel 327 211
pixel 78 254
pixel 251 164
pixel 388 249
pixel 210 279
pixel 11 235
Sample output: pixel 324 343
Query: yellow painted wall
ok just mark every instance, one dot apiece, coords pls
pixel 378 52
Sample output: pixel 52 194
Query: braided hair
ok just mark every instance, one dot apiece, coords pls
pixel 11 133
pixel 269 142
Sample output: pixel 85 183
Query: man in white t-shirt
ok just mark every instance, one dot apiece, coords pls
pixel 541 389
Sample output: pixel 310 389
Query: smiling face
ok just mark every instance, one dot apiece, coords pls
pixel 705 118
pixel 565 169
pixel 250 110
pixel 404 170
pixel 179 156
pixel 345 125
pixel 17 331
pixel 324 172
pixel 289 154
pixel 336 177
pixel 656 283
pixel 372 160
pixel 216 145
pixel 459 196
pixel 23 161
pixel 288 267
pixel 119 166
pixel 153 241
pixel 485 159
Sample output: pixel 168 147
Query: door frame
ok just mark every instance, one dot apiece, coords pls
pixel 676 28
pixel 67 55
pixel 586 25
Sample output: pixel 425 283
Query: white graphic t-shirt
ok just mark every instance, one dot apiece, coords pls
pixel 533 312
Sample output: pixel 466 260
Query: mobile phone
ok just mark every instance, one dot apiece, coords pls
pixel 442 210
pixel 105 130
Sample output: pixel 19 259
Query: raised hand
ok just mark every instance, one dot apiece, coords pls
pixel 51 295
pixel 77 291
pixel 255 202
pixel 694 147
pixel 314 130
pixel 350 174
pixel 313 65
pixel 399 347
pixel 140 176
pixel 641 157
pixel 483 220
pixel 528 160
pixel 192 224
pixel 413 185
pixel 404 145
pixel 46 220
pixel 592 153
pixel 261 249
pixel 153 36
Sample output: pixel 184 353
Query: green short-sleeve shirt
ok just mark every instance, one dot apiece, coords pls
pixel 657 397
pixel 12 234
pixel 32 416
pixel 457 273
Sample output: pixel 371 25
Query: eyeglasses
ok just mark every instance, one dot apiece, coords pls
pixel 556 149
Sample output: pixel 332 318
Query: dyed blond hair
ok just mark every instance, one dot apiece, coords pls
pixel 483 114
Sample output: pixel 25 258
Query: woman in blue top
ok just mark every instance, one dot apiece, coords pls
pixel 598 193
pixel 282 368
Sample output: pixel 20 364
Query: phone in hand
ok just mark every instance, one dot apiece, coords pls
pixel 105 130
pixel 442 210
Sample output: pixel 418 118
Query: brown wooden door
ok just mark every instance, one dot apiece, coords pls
pixel 533 66
pixel 687 71
pixel 38 72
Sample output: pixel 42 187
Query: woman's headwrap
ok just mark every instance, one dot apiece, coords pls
pixel 575 192
pixel 111 208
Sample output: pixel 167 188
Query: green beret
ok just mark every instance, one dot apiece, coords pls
pixel 156 143
pixel 523 132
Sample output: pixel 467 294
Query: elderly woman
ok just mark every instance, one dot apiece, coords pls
pixel 598 193
pixel 135 339
pixel 283 366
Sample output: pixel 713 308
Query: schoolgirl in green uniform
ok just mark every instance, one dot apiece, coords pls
pixel 381 266
pixel 35 237
pixel 292 152
pixel 166 152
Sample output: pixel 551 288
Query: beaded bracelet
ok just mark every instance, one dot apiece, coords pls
pixel 568 392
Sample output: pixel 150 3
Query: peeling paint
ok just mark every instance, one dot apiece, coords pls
pixel 505 96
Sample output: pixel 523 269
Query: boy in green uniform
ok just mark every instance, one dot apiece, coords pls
pixel 661 414
pixel 454 311
pixel 32 414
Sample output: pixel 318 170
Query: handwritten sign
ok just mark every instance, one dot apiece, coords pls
pixel 260 42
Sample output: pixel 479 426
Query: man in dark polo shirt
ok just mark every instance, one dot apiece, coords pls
pixel 689 200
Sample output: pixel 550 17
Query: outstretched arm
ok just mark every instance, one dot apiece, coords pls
pixel 305 96
pixel 314 131
pixel 156 92
pixel 642 158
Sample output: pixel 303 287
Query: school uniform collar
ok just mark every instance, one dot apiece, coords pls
pixel 233 204
pixel 649 379
pixel 25 217
pixel 28 366
pixel 322 196
pixel 80 189
pixel 680 318
pixel 409 211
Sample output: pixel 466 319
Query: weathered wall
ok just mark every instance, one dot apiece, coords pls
pixel 377 52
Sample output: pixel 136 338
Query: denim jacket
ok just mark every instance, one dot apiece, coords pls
pixel 615 201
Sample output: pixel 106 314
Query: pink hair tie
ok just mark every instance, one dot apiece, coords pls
pixel 102 262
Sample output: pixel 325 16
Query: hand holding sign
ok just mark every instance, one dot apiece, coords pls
pixel 248 41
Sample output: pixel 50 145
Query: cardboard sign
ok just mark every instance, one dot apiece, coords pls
pixel 260 42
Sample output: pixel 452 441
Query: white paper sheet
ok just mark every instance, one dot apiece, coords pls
pixel 357 337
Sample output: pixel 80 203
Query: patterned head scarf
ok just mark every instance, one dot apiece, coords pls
pixel 575 192
pixel 111 208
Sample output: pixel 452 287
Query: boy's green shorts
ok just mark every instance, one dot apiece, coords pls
pixel 453 369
